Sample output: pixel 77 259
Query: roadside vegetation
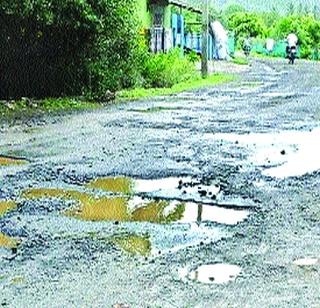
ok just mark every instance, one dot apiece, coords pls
pixel 87 49
pixel 258 26
pixel 94 50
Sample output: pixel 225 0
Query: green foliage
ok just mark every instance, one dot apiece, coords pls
pixel 245 24
pixel 307 29
pixel 67 47
pixel 233 9
pixel 165 70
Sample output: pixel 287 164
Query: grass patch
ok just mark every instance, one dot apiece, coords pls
pixel 240 61
pixel 195 83
pixel 28 107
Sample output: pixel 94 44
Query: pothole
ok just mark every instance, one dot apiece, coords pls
pixel 138 209
pixel 185 189
pixel 219 273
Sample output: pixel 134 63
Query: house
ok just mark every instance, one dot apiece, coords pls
pixel 163 22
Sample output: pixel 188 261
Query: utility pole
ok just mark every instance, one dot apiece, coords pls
pixel 205 32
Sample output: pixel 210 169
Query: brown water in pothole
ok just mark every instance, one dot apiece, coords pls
pixel 116 185
pixel 6 206
pixel 134 244
pixel 8 242
pixel 136 209
pixel 11 161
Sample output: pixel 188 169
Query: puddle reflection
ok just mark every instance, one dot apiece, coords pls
pixel 136 209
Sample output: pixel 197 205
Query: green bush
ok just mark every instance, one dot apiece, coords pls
pixel 245 24
pixel 67 47
pixel 165 70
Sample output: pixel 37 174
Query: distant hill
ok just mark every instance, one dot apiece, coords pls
pixel 282 6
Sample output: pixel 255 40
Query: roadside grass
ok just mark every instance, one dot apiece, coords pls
pixel 240 61
pixel 195 83
pixel 25 108
pixel 29 107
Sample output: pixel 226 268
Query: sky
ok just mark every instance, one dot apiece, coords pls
pixel 260 5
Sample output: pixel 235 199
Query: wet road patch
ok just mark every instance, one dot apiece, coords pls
pixel 218 273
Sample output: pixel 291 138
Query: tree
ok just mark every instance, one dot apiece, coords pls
pixel 64 47
pixel 232 9
pixel 245 24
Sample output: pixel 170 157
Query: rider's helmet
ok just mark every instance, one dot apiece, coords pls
pixel 292 40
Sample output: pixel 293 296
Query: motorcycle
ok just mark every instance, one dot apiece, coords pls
pixel 246 50
pixel 292 54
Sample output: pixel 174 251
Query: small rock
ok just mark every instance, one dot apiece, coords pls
pixel 283 152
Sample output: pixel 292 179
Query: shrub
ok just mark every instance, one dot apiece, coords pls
pixel 165 70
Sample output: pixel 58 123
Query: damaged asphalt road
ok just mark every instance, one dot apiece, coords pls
pixel 208 198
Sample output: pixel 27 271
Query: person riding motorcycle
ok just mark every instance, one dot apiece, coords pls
pixel 291 49
pixel 246 47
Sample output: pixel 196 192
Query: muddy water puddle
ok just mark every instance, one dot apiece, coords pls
pixel 8 242
pixel 134 244
pixel 218 273
pixel 155 109
pixel 6 206
pixel 186 189
pixel 6 161
pixel 151 223
pixel 138 209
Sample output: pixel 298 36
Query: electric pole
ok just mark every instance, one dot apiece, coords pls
pixel 205 32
